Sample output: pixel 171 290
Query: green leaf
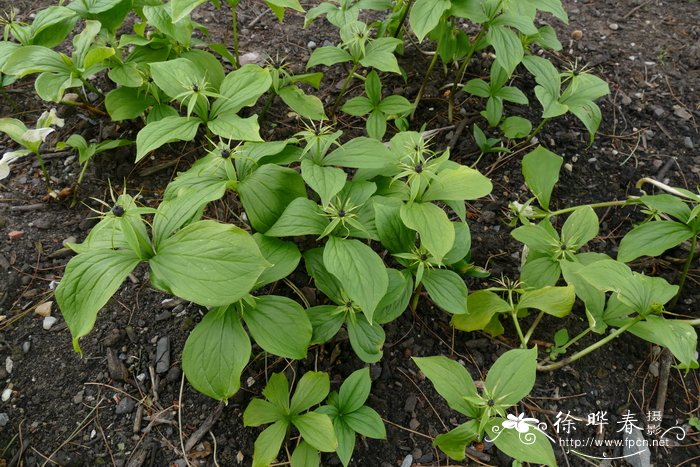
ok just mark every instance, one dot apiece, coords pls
pixel 13 128
pixel 454 442
pixel 326 181
pixel 241 88
pixel 512 376
pixel 540 272
pixel 395 105
pixel 669 204
pixel 346 440
pixel 361 153
pixel 359 269
pixel 446 289
pixel 208 263
pixel 305 456
pixel 509 441
pixel 230 126
pixel 272 316
pixel 555 301
pixel 376 125
pixel 680 338
pixel 301 217
pixel 373 88
pixel 541 171
pixel 326 322
pixel 379 54
pixel 395 302
pixel 284 257
pixel 215 354
pixel 366 339
pixel 316 429
pixel 278 7
pixel 329 55
pixel 51 86
pixel 179 9
pixel 176 76
pixel 425 16
pixel 305 105
pixel 458 184
pixel 261 412
pixel 90 279
pixel 652 239
pixel 277 392
pixel 367 422
pixel 593 298
pixel 393 233
pixel 311 389
pixel 34 59
pixel 158 16
pixel 482 306
pixel 167 130
pixel 508 47
pixel 357 106
pixel 354 391
pixel 580 227
pixel 433 225
pixel 126 103
pixel 266 194
pixel 451 381
pixel 516 127
pixel 268 444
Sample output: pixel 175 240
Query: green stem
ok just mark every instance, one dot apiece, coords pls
pixel 684 274
pixel 268 104
pixel 604 204
pixel 404 15
pixel 590 348
pixel 46 174
pixel 423 84
pixel 533 326
pixel 460 74
pixel 415 298
pixel 91 87
pixel 354 68
pixel 234 32
pixel 692 322
pixel 537 129
pixel 576 339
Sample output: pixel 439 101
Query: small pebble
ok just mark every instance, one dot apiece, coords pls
pixel 48 322
pixel 4 419
pixel 15 234
pixel 688 142
pixel 126 405
pixel 78 398
pixel 9 364
pixel 44 309
pixel 614 26
pixel 6 394
pixel 26 346
pixel 577 34
pixel 311 45
pixel 569 168
pixel 163 355
pixel 407 461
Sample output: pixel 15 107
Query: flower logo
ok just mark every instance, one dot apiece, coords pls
pixel 520 423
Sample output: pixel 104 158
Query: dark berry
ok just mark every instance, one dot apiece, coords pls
pixel 424 257
pixel 118 211
pixel 225 153
pixel 491 402
pixel 195 88
pixel 419 168
pixel 348 304
pixel 341 213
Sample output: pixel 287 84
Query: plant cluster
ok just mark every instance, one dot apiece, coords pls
pixel 378 225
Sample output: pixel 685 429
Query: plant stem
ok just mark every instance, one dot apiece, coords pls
pixel 46 174
pixel 91 87
pixel 533 326
pixel 415 298
pixel 684 274
pixel 234 33
pixel 404 15
pixel 576 339
pixel 460 74
pixel 537 129
pixel 345 87
pixel 590 348
pixel 603 204
pixel 268 104
pixel 423 84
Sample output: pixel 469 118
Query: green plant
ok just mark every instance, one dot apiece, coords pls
pixel 349 414
pixel 380 110
pixel 341 12
pixel 509 380
pixel 86 151
pixel 29 139
pixel 359 48
pixel 284 84
pixel 315 428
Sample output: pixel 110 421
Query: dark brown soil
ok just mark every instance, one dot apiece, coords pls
pixel 65 407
